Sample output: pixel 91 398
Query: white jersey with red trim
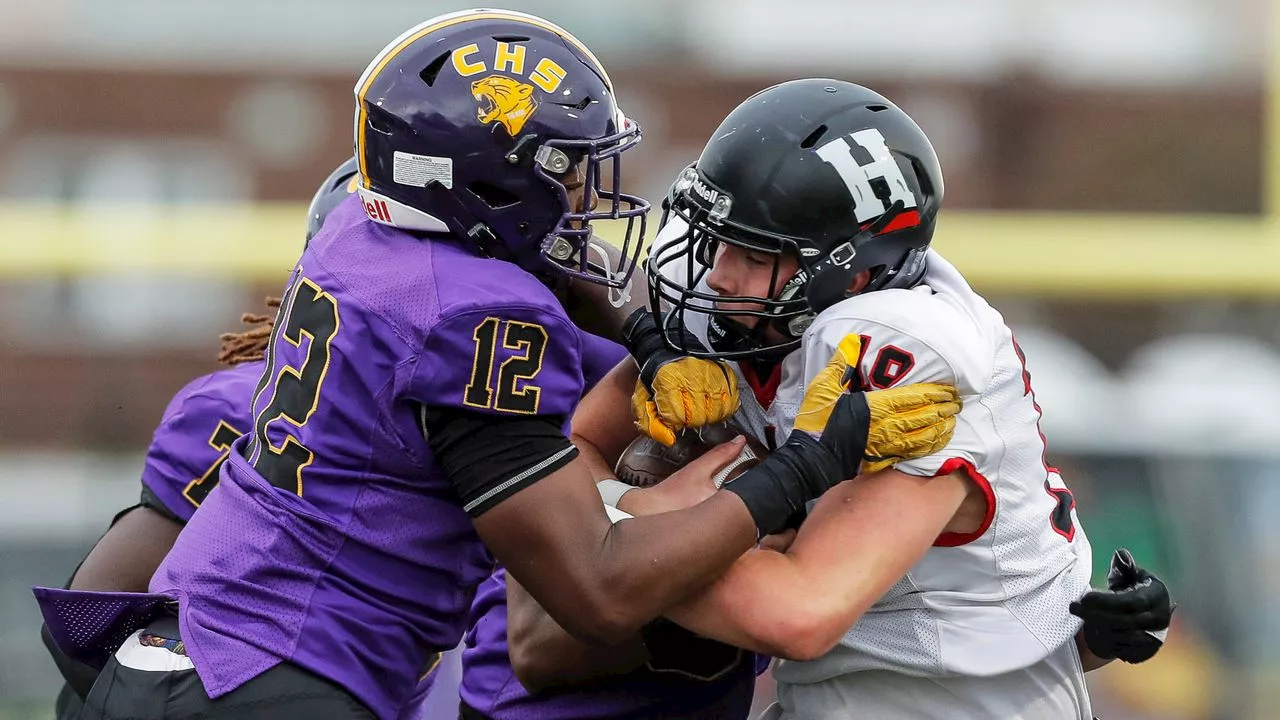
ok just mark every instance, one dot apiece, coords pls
pixel 979 628
pixel 991 606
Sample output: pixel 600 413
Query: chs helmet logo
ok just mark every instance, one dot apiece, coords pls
pixel 505 99
pixel 508 102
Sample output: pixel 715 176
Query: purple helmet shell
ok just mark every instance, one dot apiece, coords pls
pixel 502 129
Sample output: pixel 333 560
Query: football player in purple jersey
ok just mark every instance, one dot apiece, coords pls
pixel 193 439
pixel 410 423
pixel 181 465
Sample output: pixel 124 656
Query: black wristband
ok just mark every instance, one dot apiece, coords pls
pixel 641 336
pixel 635 327
pixel 776 489
pixel 846 431
pixel 643 339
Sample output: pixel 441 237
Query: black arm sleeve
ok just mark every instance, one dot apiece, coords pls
pixel 151 500
pixel 489 458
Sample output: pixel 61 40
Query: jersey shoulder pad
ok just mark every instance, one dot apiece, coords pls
pixel 907 336
pixel 194 435
pixel 467 281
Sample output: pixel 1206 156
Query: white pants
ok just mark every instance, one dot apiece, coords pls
pixel 1053 689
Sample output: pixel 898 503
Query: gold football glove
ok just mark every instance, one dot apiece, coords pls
pixel 906 422
pixel 687 393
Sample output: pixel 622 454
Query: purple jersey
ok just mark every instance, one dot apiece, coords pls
pixel 209 413
pixel 599 356
pixel 193 439
pixel 195 435
pixel 334 540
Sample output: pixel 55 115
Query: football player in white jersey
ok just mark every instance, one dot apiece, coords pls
pixel 796 250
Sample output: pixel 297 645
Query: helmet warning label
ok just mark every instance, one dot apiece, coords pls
pixel 421 170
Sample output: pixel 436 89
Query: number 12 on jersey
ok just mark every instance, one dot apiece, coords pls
pixel 292 385
pixel 525 344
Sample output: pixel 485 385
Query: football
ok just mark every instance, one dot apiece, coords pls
pixel 648 462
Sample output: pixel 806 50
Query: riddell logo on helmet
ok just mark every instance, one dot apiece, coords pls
pixel 378 211
pixel 701 190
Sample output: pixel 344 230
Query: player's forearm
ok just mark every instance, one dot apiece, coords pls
pixel 755 606
pixel 592 457
pixel 545 656
pixel 653 562
pixel 125 558
pixel 657 499
pixel 861 538
pixel 602 582
pixel 599 429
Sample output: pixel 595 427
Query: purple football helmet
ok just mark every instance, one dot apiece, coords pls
pixel 335 188
pixel 493 125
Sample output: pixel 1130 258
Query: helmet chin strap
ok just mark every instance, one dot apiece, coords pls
pixel 727 335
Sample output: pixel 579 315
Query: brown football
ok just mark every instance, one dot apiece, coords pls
pixel 648 462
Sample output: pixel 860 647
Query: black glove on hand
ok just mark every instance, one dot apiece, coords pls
pixel 1129 621
pixel 673 649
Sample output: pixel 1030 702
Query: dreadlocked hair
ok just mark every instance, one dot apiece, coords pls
pixel 250 345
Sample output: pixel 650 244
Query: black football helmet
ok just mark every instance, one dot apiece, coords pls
pixel 826 170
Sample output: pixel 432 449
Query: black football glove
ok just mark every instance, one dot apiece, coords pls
pixel 1130 620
